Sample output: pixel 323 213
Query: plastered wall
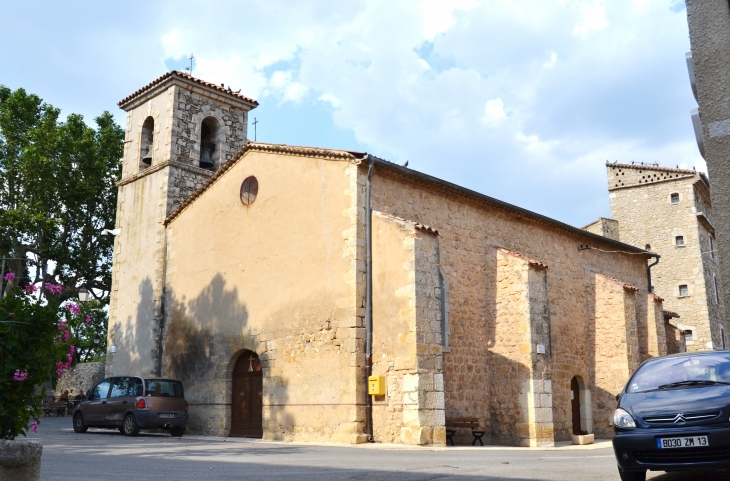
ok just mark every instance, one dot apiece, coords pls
pixel 277 277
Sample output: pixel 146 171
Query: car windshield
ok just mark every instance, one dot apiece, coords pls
pixel 681 372
pixel 164 388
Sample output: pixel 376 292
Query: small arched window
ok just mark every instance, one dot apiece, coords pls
pixel 146 142
pixel 209 142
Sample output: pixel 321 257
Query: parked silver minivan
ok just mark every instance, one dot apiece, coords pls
pixel 133 403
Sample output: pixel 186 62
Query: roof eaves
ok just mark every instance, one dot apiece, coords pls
pixel 126 100
pixel 351 156
pixel 420 176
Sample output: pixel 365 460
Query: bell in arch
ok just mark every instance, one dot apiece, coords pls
pixel 147 158
pixel 205 161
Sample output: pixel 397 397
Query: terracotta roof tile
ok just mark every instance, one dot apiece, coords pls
pixel 530 261
pixel 185 76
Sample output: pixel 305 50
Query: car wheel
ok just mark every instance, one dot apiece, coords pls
pixel 130 427
pixel 632 476
pixel 177 431
pixel 79 425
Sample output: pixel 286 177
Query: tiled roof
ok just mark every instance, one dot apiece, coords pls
pixel 272 148
pixel 416 225
pixel 530 261
pixel 185 76
pixel 411 175
pixel 670 314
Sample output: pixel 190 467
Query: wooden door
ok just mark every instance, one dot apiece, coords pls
pixel 246 408
pixel 575 403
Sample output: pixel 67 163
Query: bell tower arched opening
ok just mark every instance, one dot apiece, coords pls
pixel 146 142
pixel 209 142
pixel 247 397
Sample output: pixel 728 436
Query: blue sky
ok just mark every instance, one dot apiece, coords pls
pixel 523 100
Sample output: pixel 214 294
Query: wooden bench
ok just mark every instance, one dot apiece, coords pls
pixel 452 424
pixel 58 406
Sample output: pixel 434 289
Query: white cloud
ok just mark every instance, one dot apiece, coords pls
pixel 494 110
pixel 593 18
pixel 535 93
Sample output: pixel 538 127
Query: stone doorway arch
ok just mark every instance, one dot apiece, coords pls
pixel 247 396
pixel 580 401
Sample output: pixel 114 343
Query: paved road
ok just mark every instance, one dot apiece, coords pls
pixel 107 455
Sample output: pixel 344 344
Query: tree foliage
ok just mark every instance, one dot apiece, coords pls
pixel 57 194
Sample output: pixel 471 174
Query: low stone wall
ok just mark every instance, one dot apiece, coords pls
pixel 81 376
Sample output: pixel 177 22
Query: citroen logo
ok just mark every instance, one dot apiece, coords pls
pixel 679 418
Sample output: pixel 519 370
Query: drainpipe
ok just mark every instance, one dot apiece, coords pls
pixel 369 302
pixel 648 271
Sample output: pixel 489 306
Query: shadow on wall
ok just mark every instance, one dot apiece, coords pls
pixel 203 340
pixel 602 356
pixel 134 340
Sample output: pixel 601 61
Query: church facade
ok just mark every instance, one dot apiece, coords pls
pixel 250 272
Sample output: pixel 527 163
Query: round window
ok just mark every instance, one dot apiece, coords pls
pixel 249 189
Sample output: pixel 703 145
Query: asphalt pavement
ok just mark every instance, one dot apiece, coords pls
pixel 108 455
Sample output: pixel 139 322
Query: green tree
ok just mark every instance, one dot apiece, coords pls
pixel 57 193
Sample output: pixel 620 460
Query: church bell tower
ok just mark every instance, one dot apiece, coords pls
pixel 179 131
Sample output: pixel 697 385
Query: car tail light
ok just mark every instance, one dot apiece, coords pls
pixel 186 405
pixel 141 403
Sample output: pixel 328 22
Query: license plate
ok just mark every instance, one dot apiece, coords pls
pixel 682 442
pixel 165 415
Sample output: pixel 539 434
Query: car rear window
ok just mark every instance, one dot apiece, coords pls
pixel 164 388
pixel 662 373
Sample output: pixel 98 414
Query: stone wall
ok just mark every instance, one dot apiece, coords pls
pixel 641 200
pixel 84 376
pixel 467 230
pixel 709 34
pixel 407 333
pixel 521 385
pixel 604 227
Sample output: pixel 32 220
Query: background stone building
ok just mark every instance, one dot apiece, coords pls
pixel 668 211
pixel 253 290
pixel 709 64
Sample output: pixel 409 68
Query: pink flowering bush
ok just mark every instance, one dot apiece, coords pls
pixel 55 289
pixel 9 276
pixel 30 288
pixel 29 354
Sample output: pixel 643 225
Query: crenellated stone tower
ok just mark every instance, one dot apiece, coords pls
pixel 179 131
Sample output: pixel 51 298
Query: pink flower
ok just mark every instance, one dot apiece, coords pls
pixel 72 307
pixel 30 288
pixel 88 319
pixel 11 314
pixel 73 349
pixel 61 324
pixel 66 335
pixel 20 375
pixel 10 276
pixel 34 426
pixel 59 368
pixel 54 288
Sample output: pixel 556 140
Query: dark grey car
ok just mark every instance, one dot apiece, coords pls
pixel 131 403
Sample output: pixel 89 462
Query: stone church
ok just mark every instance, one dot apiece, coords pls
pixel 271 279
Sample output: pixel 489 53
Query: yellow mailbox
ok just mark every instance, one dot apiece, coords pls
pixel 376 385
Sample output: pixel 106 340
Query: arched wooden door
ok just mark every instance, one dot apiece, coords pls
pixel 575 405
pixel 246 407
